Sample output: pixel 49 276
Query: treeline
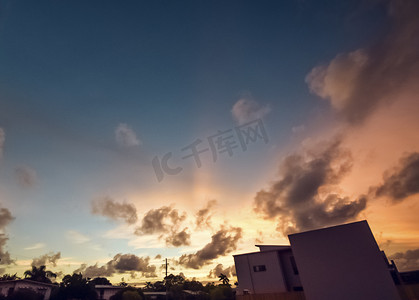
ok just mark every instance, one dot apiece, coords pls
pixel 75 286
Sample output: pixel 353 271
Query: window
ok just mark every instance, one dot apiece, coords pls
pixel 294 265
pixel 260 268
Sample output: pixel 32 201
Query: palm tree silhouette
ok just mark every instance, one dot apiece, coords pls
pixel 224 279
pixel 39 274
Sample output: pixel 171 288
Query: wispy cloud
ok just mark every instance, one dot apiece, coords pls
pixel 26 176
pixel 35 246
pixel 125 136
pixel 77 237
pixel 246 110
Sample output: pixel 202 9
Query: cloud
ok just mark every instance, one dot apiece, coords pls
pixel 95 271
pixel 5 218
pixel 222 243
pixel 403 181
pixel 229 271
pixel 2 140
pixel 203 216
pixel 26 176
pixel 121 263
pixel 160 220
pixel 35 246
pixel 302 199
pixel 76 237
pixel 43 260
pixel 108 207
pixel 357 83
pixel 406 261
pixel 166 222
pixel 247 110
pixel 125 136
pixel 178 239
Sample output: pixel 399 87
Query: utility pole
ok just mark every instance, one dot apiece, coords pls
pixel 166 282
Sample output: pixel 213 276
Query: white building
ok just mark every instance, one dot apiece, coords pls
pixel 340 262
pixel 271 270
pixel 7 287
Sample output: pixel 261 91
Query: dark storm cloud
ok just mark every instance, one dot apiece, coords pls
pixel 5 218
pixel 43 260
pixel 357 83
pixel 203 216
pixel 114 210
pixel 222 243
pixel 121 263
pixel 408 260
pixel 229 271
pixel 403 181
pixel 297 201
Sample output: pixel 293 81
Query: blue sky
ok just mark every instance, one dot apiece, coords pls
pixel 168 72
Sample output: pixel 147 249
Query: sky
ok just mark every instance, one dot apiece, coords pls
pixel 135 131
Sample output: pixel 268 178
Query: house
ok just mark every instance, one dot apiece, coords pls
pixel 7 287
pixel 105 292
pixel 339 262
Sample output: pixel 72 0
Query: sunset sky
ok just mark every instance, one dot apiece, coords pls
pixel 135 131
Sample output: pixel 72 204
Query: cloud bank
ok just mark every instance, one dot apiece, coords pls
pixel 121 263
pixel 408 260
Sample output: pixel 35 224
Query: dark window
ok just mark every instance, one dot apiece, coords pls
pixel 260 268
pixel 294 265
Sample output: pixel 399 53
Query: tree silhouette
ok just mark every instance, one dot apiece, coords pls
pixel 9 277
pixel 39 274
pixel 99 281
pixel 224 279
